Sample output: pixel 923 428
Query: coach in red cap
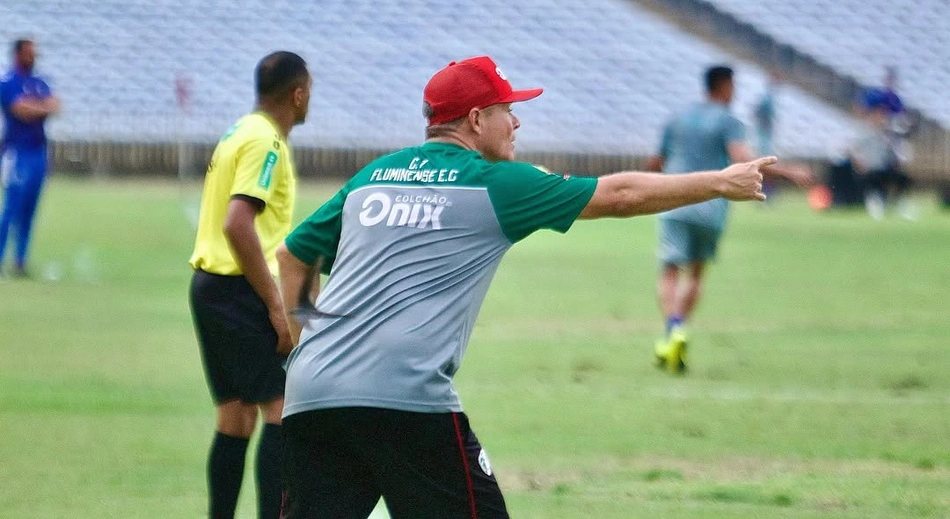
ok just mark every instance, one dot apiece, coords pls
pixel 468 88
pixel 472 83
pixel 410 244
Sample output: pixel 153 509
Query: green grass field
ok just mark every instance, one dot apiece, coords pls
pixel 819 382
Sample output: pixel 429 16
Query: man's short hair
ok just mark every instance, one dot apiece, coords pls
pixel 20 43
pixel 434 131
pixel 716 76
pixel 278 73
pixel 427 110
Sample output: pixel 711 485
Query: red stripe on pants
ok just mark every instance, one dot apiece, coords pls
pixel 468 472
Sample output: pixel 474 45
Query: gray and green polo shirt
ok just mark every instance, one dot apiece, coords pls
pixel 410 244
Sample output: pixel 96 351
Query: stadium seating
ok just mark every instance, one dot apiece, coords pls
pixel 862 37
pixel 612 71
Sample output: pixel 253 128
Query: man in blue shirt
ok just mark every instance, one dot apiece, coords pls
pixel 26 102
pixel 885 97
pixel 705 136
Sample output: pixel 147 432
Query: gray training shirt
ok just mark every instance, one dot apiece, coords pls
pixel 411 243
pixel 698 140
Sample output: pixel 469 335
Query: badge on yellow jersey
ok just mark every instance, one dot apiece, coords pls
pixel 267 171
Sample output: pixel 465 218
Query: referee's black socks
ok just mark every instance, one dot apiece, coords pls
pixel 225 472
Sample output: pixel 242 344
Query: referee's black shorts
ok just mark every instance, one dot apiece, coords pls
pixel 339 462
pixel 237 340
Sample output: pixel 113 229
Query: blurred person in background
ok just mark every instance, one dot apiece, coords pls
pixel 763 114
pixel 902 121
pixel 877 157
pixel 246 209
pixel 26 101
pixel 410 244
pixel 705 136
pixel 884 97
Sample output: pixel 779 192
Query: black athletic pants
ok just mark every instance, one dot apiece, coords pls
pixel 339 462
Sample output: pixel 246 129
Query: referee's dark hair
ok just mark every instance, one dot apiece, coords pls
pixel 279 73
pixel 716 76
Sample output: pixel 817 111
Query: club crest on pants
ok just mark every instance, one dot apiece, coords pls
pixel 484 463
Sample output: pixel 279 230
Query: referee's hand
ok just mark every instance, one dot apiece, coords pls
pixel 279 321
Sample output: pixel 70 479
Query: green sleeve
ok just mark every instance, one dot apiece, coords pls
pixel 526 199
pixel 319 234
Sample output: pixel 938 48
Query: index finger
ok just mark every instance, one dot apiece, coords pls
pixel 765 161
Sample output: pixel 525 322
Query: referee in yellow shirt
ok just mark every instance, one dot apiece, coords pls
pixel 246 211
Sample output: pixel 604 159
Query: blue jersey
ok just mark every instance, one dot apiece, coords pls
pixel 20 135
pixel 883 98
pixel 698 140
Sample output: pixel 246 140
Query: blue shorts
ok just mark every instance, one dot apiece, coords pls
pixel 682 243
pixel 23 168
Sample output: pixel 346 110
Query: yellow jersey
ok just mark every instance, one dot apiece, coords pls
pixel 250 160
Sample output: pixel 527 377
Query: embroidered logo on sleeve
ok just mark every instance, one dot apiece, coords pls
pixel 267 171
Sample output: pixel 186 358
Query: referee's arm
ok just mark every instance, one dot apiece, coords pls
pixel 246 248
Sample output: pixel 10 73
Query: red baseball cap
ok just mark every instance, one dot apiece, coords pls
pixel 471 83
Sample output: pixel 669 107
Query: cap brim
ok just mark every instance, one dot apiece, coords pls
pixel 522 95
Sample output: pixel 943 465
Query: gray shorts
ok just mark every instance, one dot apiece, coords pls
pixel 682 243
